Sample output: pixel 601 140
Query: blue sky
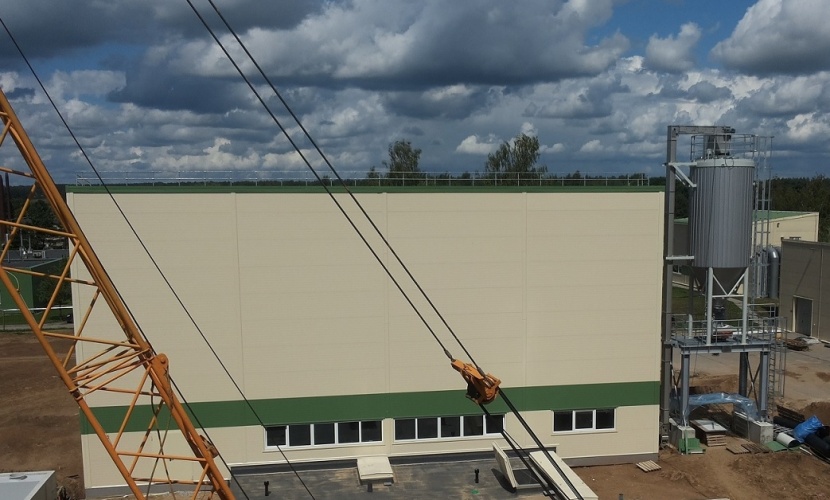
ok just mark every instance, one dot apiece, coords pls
pixel 148 92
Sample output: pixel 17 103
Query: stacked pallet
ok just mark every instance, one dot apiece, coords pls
pixel 710 432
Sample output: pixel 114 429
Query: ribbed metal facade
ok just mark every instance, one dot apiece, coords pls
pixel 720 215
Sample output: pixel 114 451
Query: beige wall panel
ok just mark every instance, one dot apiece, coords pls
pixel 586 298
pixel 805 274
pixel 164 323
pixel 630 273
pixel 457 202
pixel 539 286
pixel 554 322
pixel 592 201
pixel 100 470
pixel 585 223
pixel 804 227
pixel 482 251
pixel 637 433
pixel 405 225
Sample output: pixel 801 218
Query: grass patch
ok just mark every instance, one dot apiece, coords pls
pixel 680 303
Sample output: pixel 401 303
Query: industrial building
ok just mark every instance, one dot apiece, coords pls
pixel 805 287
pixel 555 291
pixel 782 225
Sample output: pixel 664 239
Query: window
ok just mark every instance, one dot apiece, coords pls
pixel 405 429
pixel 323 434
pixel 299 435
pixel 370 431
pixel 474 426
pixel 605 419
pixel 348 432
pixel 494 424
pixel 275 436
pixel 450 427
pixel 427 428
pixel 584 420
pixel 447 427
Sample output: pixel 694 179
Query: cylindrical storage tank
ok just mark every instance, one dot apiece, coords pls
pixel 720 216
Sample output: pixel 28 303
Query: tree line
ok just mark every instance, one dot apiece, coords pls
pixel 520 156
pixel 796 194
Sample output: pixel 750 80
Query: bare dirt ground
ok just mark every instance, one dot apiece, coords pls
pixel 40 430
pixel 39 424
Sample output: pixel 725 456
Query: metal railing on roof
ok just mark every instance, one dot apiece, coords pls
pixel 283 178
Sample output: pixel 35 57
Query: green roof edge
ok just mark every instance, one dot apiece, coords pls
pixel 207 189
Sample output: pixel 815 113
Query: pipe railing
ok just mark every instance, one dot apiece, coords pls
pixel 286 178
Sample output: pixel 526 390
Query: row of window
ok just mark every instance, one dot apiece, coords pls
pixel 408 429
pixel 369 431
pixel 447 427
pixel 584 420
pixel 321 434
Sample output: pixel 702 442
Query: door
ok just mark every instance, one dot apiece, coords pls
pixel 803 315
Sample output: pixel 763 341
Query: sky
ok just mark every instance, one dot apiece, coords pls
pixel 149 93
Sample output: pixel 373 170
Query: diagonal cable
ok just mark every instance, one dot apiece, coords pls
pixel 150 256
pixel 340 180
pixel 365 214
pixel 323 184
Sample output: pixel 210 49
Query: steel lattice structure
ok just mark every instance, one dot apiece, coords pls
pixel 114 366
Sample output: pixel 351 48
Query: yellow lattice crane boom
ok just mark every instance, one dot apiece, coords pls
pixel 127 368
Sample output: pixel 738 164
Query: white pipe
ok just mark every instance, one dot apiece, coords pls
pixel 787 440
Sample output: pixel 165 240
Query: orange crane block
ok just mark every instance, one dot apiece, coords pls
pixel 482 389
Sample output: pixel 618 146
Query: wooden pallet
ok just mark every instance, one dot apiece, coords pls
pixel 789 413
pixel 756 448
pixel 737 449
pixel 649 466
pixel 714 439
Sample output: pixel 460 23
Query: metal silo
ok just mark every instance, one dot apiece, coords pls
pixel 720 217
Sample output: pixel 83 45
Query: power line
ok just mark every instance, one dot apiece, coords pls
pixel 262 73
pixel 149 255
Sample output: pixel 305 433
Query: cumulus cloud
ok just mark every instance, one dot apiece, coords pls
pixel 779 36
pixel 808 127
pixel 453 102
pixel 592 146
pixel 799 95
pixel 151 91
pixel 673 54
pixel 706 92
pixel 374 43
pixel 580 98
pixel 478 145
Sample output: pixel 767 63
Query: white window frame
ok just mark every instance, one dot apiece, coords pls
pixel 486 433
pixel 336 442
pixel 592 429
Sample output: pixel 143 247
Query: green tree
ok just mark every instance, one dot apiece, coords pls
pixel 45 287
pixel 520 157
pixel 39 214
pixel 807 195
pixel 403 159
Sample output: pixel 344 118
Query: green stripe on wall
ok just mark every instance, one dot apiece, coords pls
pixel 394 405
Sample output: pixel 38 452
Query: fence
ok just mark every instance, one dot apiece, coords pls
pixel 304 178
pixel 12 319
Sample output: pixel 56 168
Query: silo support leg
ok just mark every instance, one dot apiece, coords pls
pixel 743 374
pixel 684 387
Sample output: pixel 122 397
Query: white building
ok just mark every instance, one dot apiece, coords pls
pixel 556 292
